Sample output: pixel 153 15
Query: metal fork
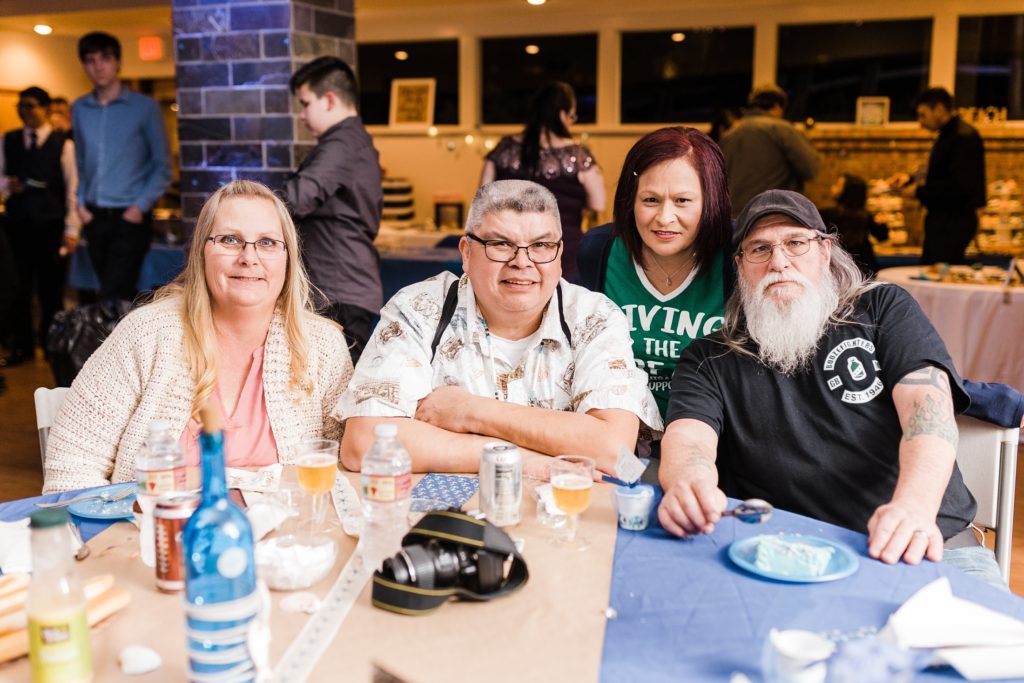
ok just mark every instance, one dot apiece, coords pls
pixel 107 497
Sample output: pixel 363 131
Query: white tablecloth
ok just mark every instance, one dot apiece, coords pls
pixel 982 324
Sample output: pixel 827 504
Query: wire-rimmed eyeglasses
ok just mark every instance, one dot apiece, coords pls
pixel 504 251
pixel 760 252
pixel 266 247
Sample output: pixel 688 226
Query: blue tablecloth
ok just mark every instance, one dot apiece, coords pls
pixel 687 613
pixel 162 264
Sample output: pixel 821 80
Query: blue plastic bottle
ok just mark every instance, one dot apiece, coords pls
pixel 220 573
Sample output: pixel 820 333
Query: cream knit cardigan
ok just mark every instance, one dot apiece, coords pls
pixel 139 374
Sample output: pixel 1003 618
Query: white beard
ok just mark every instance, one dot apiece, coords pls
pixel 787 331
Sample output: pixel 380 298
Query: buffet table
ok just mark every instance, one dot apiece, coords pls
pixel 981 324
pixel 635 606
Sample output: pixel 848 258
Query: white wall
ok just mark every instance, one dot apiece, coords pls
pixel 433 168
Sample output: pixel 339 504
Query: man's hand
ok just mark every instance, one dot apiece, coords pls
pixel 14 184
pixel 85 214
pixel 898 530
pixel 68 245
pixel 449 408
pixel 694 503
pixel 132 214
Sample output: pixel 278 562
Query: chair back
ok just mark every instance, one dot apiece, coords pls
pixel 47 404
pixel 987 458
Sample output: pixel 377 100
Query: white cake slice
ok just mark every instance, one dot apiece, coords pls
pixel 792 558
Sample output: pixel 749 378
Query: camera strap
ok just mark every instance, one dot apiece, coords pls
pixel 450 526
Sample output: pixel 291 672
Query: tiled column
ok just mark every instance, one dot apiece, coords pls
pixel 233 62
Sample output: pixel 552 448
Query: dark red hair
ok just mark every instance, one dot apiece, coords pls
pixel 669 144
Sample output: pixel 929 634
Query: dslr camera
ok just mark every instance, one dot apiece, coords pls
pixel 436 564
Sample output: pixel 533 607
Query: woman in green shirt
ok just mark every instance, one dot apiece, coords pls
pixel 665 258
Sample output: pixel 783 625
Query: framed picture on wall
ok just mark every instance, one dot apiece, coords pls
pixel 872 111
pixel 412 102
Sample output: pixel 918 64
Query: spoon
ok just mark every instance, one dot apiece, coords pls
pixel 83 549
pixel 751 511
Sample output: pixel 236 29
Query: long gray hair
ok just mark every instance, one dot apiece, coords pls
pixel 850 284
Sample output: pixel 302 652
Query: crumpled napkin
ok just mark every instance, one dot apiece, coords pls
pixel 980 643
pixel 265 479
pixel 16 547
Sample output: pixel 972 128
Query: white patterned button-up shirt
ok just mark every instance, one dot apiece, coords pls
pixel 596 372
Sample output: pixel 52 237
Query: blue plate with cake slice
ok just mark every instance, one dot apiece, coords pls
pixel 797 558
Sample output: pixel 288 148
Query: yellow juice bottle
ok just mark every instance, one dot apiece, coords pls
pixel 58 631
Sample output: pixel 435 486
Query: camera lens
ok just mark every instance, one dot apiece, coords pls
pixel 427 566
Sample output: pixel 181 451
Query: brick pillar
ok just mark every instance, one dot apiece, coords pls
pixel 235 112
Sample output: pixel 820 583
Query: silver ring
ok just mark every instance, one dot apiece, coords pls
pixel 920 532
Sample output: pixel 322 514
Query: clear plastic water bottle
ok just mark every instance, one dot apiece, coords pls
pixel 159 470
pixel 220 573
pixel 58 631
pixel 387 482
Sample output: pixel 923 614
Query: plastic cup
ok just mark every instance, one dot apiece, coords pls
pixel 634 506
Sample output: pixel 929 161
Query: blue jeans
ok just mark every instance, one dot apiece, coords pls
pixel 979 562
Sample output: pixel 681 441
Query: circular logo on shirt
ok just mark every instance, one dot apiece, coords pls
pixel 854 370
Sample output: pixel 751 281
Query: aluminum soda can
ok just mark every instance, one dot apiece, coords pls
pixel 501 483
pixel 169 518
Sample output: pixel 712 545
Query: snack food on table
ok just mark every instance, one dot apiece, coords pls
pixel 792 558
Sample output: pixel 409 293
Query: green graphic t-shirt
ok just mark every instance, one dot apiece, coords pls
pixel 662 325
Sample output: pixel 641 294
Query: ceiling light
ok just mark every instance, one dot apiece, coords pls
pixel 536 2
pixel 401 55
pixel 678 37
pixel 43 29
pixel 532 49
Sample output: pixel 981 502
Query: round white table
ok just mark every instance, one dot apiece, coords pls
pixel 981 324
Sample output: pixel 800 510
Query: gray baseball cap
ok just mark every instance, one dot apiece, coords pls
pixel 786 202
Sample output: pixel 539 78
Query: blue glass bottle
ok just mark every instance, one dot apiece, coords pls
pixel 220 575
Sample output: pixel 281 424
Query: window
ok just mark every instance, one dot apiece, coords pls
pixel 990 63
pixel 515 68
pixel 825 67
pixel 380 63
pixel 686 74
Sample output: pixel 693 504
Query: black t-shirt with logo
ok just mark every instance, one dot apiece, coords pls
pixel 823 442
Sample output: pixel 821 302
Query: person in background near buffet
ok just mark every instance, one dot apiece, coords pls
pixel 123 167
pixel 854 224
pixel 953 188
pixel 824 394
pixel 39 180
pixel 664 261
pixel 336 198
pixel 508 351
pixel 764 151
pixel 546 154
pixel 236 327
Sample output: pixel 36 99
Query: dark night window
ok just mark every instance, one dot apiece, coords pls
pixel 825 67
pixel 990 63
pixel 380 63
pixel 515 68
pixel 686 74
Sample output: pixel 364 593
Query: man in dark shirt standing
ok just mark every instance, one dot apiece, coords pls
pixel 336 198
pixel 954 187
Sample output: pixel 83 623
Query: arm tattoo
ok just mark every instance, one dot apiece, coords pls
pixel 933 419
pixel 930 376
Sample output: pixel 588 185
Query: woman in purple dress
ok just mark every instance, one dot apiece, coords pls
pixel 545 153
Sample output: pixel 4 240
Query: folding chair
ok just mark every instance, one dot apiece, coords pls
pixel 987 457
pixel 47 403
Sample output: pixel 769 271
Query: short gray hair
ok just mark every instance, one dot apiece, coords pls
pixel 519 196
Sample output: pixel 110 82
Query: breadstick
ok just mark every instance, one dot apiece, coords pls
pixel 13 604
pixel 14 645
pixel 10 583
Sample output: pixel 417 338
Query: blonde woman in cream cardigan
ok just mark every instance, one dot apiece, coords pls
pixel 236 326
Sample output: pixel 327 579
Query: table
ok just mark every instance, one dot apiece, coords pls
pixel 162 264
pixel 683 612
pixel 981 324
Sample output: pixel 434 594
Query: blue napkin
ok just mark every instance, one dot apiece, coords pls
pixel 451 489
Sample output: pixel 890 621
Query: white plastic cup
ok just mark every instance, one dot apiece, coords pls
pixel 634 506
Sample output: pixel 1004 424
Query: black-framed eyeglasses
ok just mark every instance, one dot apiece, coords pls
pixel 760 252
pixel 504 251
pixel 265 246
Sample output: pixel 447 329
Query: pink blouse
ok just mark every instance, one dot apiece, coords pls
pixel 248 440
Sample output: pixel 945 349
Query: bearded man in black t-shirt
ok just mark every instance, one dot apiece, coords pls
pixel 823 393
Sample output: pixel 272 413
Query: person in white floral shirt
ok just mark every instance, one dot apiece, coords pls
pixel 524 356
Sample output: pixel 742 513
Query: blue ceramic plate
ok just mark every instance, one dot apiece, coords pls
pixel 844 561
pixel 97 508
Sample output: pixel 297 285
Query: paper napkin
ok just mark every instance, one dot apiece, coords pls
pixel 16 547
